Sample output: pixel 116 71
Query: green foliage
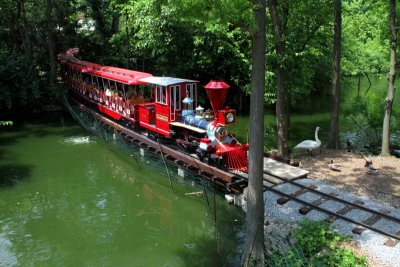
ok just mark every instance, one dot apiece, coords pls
pixel 292 258
pixel 365 37
pixel 6 123
pixel 314 236
pixel 24 58
pixel 19 83
pixel 307 27
pixel 317 245
pixel 199 39
pixel 363 110
pixel 176 40
pixel 323 246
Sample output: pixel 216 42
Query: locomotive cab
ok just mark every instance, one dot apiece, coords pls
pixel 173 97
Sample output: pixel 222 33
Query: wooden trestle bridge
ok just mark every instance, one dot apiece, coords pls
pixel 231 181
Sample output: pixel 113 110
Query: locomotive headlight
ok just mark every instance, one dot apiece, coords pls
pixel 221 133
pixel 230 117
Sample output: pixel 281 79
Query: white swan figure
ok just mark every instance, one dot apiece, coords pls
pixel 310 145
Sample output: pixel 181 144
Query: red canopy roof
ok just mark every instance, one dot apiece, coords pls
pixel 83 66
pixel 125 76
pixel 130 77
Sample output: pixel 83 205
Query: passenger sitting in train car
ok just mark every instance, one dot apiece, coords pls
pixel 140 94
pixel 86 81
pixel 129 94
pixel 120 94
pixel 108 92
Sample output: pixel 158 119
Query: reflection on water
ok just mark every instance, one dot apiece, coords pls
pixel 6 256
pixel 76 140
pixel 81 204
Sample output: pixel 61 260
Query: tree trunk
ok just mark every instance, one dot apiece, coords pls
pixel 115 22
pixel 282 118
pixel 27 43
pixel 334 140
pixel 254 243
pixel 50 42
pixel 96 6
pixel 392 76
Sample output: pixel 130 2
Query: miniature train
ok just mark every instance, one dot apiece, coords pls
pixel 162 106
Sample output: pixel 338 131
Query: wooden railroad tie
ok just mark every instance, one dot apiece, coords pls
pixel 343 211
pixel 370 221
pixel 390 242
pixel 179 162
pixel 143 144
pixel 136 141
pixel 191 167
pixel 283 200
pixel 169 157
pixel 306 209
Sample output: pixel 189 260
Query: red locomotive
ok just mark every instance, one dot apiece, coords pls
pixel 163 106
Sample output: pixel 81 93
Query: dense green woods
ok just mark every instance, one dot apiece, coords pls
pixel 195 39
pixel 199 40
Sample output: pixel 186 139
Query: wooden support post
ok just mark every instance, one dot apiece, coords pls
pixel 181 172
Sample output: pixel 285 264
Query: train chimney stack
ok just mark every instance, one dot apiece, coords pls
pixel 217 91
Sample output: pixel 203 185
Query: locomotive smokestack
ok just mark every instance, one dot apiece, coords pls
pixel 217 91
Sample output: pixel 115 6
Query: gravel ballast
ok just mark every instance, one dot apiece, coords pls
pixel 370 243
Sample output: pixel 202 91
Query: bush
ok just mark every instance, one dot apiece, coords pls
pixel 323 246
pixel 317 245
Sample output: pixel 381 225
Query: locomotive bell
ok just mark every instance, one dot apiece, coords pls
pixel 200 111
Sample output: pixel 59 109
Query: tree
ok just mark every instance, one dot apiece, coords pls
pixel 392 76
pixel 334 140
pixel 50 41
pixel 298 57
pixel 254 243
pixel 281 73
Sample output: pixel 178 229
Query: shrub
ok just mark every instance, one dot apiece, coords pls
pixel 323 246
pixel 317 245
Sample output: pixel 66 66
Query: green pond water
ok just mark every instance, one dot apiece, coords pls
pixel 68 199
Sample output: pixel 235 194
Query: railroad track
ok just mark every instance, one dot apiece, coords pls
pixel 226 181
pixel 361 225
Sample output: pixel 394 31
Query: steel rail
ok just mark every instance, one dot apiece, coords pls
pixel 394 219
pixel 334 214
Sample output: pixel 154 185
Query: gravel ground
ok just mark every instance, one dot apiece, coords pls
pixel 368 243
pixel 382 186
pixel 380 190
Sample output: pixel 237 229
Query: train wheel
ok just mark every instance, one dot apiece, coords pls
pixel 183 141
pixel 215 160
pixel 200 154
pixel 126 124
